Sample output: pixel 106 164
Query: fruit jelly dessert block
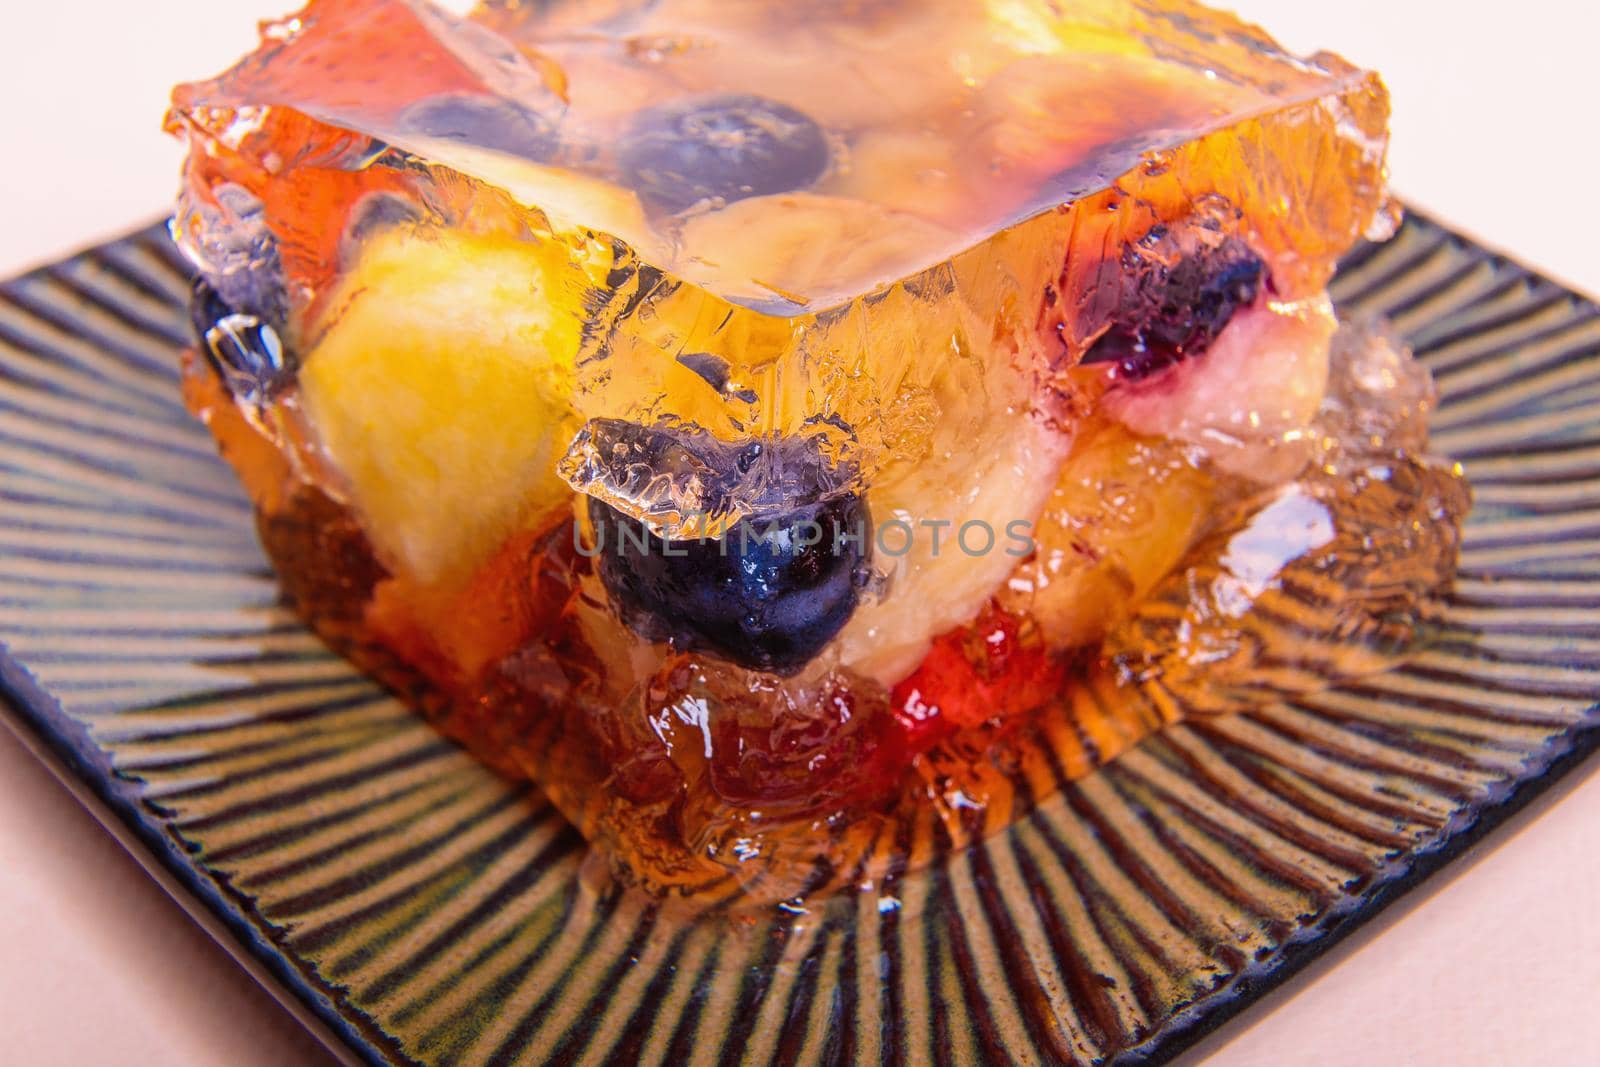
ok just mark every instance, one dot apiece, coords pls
pixel 452 317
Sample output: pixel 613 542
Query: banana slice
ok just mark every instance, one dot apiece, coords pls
pixel 949 530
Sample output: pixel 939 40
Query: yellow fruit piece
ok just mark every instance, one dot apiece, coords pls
pixel 908 170
pixel 966 459
pixel 440 388
pixel 1048 116
pixel 1123 512
pixel 808 249
pixel 949 529
pixel 816 36
pixel 568 200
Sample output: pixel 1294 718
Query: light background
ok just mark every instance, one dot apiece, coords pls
pixel 1494 131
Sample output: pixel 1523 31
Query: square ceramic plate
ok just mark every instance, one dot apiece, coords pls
pixel 414 908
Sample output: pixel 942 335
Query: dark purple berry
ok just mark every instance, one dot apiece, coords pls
pixel 725 147
pixel 247 352
pixel 1167 313
pixel 483 122
pixel 768 593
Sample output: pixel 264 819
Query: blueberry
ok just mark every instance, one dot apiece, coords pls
pixel 246 351
pixel 483 122
pixel 226 233
pixel 767 595
pixel 725 147
pixel 1174 312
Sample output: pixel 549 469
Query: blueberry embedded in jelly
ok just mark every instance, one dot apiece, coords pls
pixel 725 147
pixel 753 550
pixel 483 122
pixel 246 351
pixel 1174 312
pixel 224 231
pixel 768 595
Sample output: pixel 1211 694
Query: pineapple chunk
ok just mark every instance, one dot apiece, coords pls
pixel 440 386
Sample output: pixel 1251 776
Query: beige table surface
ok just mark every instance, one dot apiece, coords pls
pixel 1495 130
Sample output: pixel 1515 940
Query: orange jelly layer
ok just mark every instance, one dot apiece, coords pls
pixel 456 230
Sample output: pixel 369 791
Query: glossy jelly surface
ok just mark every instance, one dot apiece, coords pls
pixel 795 434
pixel 919 127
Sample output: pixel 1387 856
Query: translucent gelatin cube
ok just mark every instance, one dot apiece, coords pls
pixel 476 286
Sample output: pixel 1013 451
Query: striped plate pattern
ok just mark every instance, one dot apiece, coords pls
pixel 430 912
